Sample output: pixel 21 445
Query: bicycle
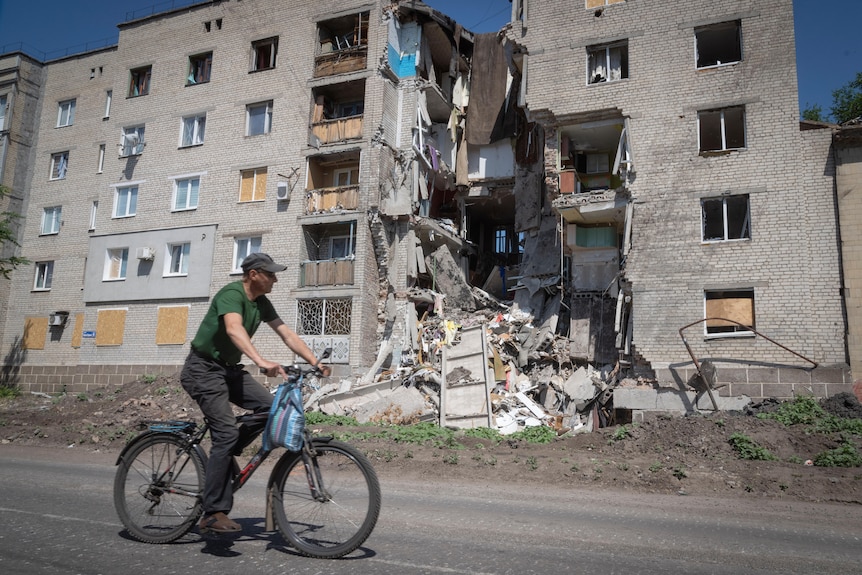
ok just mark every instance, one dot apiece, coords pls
pixel 324 499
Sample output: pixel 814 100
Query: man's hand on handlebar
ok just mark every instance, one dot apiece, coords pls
pixel 272 369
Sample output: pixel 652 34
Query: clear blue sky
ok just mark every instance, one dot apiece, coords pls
pixel 829 53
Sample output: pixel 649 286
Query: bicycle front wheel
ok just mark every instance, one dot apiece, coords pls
pixel 327 506
pixel 157 488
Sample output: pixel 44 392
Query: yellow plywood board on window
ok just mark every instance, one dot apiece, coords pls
pixel 246 188
pixel 110 325
pixel 734 308
pixel 78 332
pixel 172 324
pixel 35 332
pixel 599 3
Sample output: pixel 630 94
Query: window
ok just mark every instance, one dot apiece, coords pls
pixel 44 275
pixel 242 247
pixel 347 109
pixel 94 208
pixel 116 262
pixel 340 247
pixel 193 128
pixel 51 220
pixel 66 113
pixel 132 141
pixel 600 3
pixel 263 54
pixel 737 306
pixel 501 241
pixel 598 164
pixel 258 119
pixel 139 81
pixel 718 44
pixel 2 112
pixel 177 260
pixel 253 185
pixel 125 201
pixel 109 96
pixel 325 322
pixel 721 130
pixel 595 237
pixel 59 164
pixel 199 68
pixel 607 63
pixel 727 218
pixel 345 177
pixel 185 194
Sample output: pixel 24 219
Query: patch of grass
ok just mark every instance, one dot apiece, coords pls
pixel 163 391
pixel 804 409
pixel 656 467
pixel 319 418
pixel 833 424
pixel 747 449
pixel 484 433
pixel 539 434
pixel 9 391
pixel 149 378
pixel 532 463
pixel 82 397
pixel 451 459
pixel 679 472
pixel 622 432
pixel 574 468
pixel 845 455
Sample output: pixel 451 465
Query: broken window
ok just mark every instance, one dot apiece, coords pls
pixel 199 68
pixel 721 130
pixel 59 164
pixel 727 218
pixel 718 44
pixel 729 312
pixel 132 141
pixel 139 81
pixel 44 276
pixel 600 3
pixel 343 33
pixel 263 54
pixel 607 63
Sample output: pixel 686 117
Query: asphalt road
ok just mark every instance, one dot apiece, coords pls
pixel 57 517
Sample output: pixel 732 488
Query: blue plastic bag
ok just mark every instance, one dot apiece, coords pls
pixel 286 419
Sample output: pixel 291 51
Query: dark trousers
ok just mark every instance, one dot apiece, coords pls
pixel 214 387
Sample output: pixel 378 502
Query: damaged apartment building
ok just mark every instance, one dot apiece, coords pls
pixel 605 173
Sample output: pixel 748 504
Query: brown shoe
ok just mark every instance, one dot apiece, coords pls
pixel 218 523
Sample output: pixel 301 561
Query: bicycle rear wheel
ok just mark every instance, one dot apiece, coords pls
pixel 341 515
pixel 157 488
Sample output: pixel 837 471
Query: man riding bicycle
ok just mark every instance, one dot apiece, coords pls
pixel 215 378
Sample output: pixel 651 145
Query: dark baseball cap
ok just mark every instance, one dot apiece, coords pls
pixel 261 261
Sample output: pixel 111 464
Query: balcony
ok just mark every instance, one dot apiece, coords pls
pixel 338 129
pixel 343 198
pixel 342 45
pixel 326 273
pixel 342 61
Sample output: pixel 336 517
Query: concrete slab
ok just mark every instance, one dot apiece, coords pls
pixel 671 400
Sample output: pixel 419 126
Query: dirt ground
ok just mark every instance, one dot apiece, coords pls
pixel 688 455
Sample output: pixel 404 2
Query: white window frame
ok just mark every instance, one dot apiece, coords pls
pixel 745 234
pixel 66 113
pixel 718 29
pixel 612 71
pixel 192 196
pixel 723 128
pixel 192 130
pixel 101 167
pixel 126 148
pixel 44 276
pixel 129 204
pixel 593 4
pixel 714 332
pixel 337 174
pixel 109 96
pixel 204 58
pixel 119 255
pixel 272 43
pixel 267 118
pixel 242 247
pixel 135 77
pixel 52 219
pixel 59 166
pixel 346 243
pixel 177 259
pixel 3 103
pixel 94 209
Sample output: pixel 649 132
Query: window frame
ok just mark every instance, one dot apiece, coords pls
pixel 44 276
pixel 728 223
pixel 593 4
pixel 177 256
pixel 249 248
pixel 255 186
pixel 140 79
pixel 206 60
pixel 267 118
pixel 59 166
pixel 730 330
pixel 109 98
pixel 715 30
pixel 66 114
pixel 130 204
pixel 197 123
pixel 100 167
pixel 52 221
pixel 593 53
pixel 126 150
pixel 175 207
pixel 339 172
pixel 123 259
pixel 94 210
pixel 257 56
pixel 722 128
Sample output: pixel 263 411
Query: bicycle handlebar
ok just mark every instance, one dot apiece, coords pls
pixel 297 370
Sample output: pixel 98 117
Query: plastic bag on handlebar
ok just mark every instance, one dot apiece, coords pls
pixel 286 419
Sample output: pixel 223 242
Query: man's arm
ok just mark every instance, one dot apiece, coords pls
pixel 296 344
pixel 240 338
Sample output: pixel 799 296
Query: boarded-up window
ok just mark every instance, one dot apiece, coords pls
pixel 737 306
pixel 78 330
pixel 172 324
pixel 599 3
pixel 110 325
pixel 35 332
pixel 253 185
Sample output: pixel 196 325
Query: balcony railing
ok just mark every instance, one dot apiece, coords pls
pixel 341 61
pixel 332 199
pixel 338 130
pixel 326 273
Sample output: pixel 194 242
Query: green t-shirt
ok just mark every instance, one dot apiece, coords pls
pixel 212 338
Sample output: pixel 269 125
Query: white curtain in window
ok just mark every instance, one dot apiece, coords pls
pixel 615 57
